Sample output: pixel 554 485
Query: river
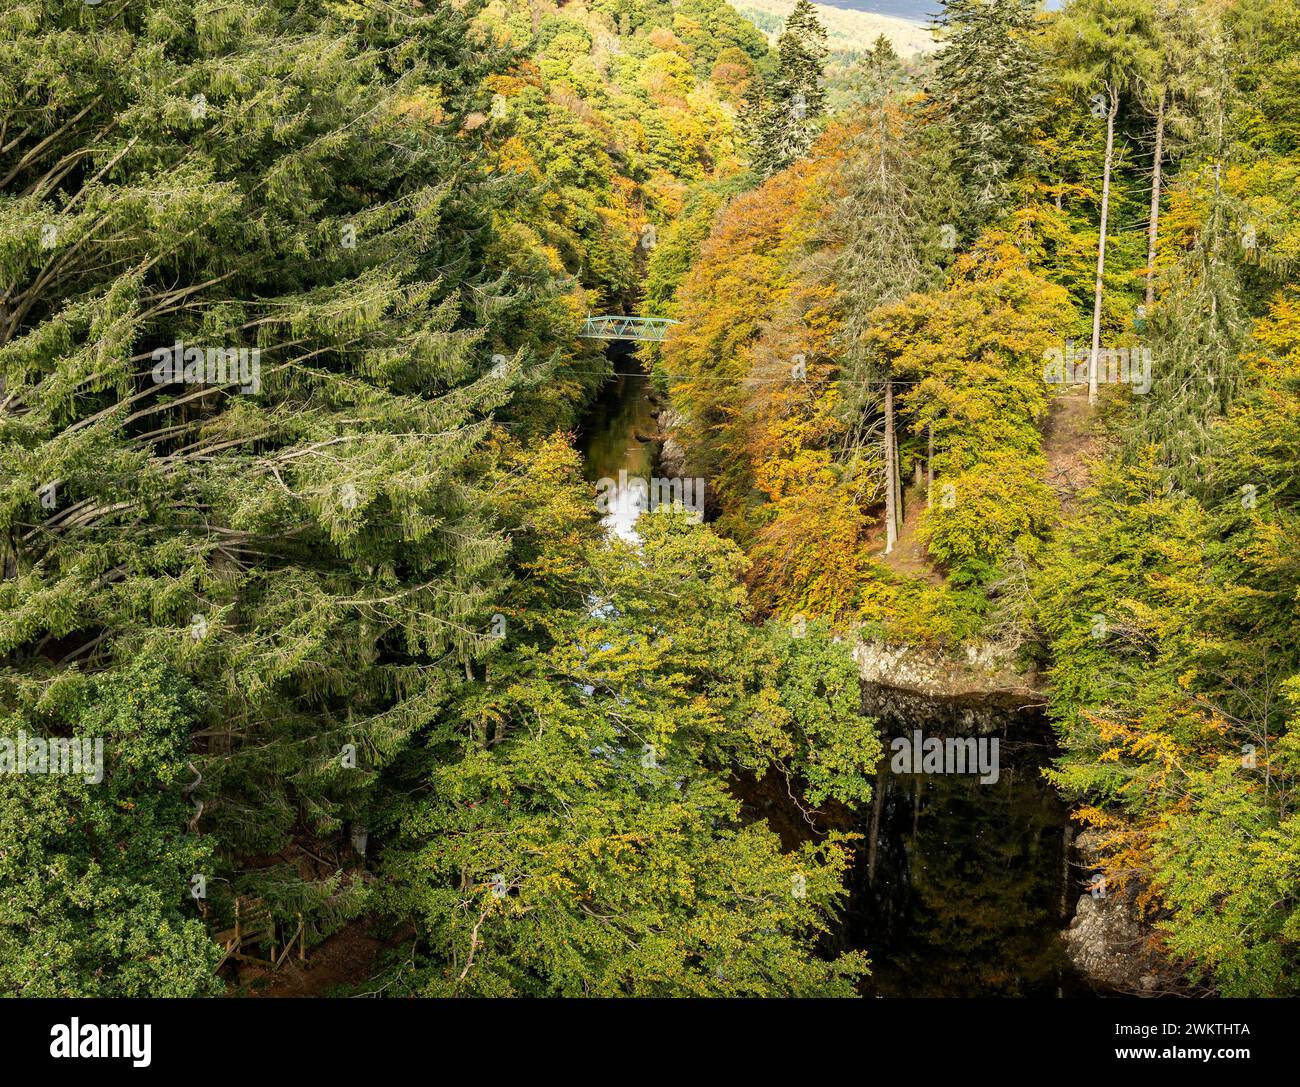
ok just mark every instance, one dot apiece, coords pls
pixel 969 885
pixel 617 435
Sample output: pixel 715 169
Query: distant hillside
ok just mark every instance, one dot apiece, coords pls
pixel 914 11
pixel 847 31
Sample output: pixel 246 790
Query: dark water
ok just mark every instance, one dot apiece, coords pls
pixel 619 435
pixel 608 438
pixel 972 882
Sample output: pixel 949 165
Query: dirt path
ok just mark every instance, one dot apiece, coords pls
pixel 1070 441
pixel 909 557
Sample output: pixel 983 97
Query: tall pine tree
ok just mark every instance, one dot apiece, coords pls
pixel 887 250
pixel 306 545
pixel 782 124
pixel 990 81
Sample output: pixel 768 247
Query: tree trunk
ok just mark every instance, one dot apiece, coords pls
pixel 1153 222
pixel 873 836
pixel 891 486
pixel 929 466
pixel 1067 839
pixel 900 510
pixel 1101 244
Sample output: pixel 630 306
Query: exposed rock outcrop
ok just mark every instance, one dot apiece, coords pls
pixel 1112 946
pixel 1108 946
pixel 980 674
pixel 672 456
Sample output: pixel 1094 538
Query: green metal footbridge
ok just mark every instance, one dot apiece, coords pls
pixel 617 327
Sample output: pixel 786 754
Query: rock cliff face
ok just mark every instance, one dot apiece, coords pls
pixel 1110 943
pixel 1109 947
pixel 981 669
pixel 672 457
pixel 974 690
pixel 672 462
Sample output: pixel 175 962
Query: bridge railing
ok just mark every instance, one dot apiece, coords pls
pixel 618 327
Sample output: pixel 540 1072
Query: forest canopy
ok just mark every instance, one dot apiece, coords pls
pixel 295 374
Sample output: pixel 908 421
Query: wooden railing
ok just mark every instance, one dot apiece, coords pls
pixel 255 928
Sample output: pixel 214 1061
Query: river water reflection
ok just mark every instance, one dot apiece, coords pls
pixel 618 435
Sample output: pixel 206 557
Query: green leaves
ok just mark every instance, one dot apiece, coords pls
pixel 316 556
pixel 990 80
pixel 1231 873
pixel 1110 44
pixel 576 835
pixel 1173 635
pixel 96 873
pixel 781 123
pixel 828 745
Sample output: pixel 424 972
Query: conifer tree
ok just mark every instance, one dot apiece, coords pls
pixel 990 81
pixel 781 125
pixel 1188 92
pixel 801 57
pixel 307 543
pixel 887 251
pixel 1195 336
pixel 1199 328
